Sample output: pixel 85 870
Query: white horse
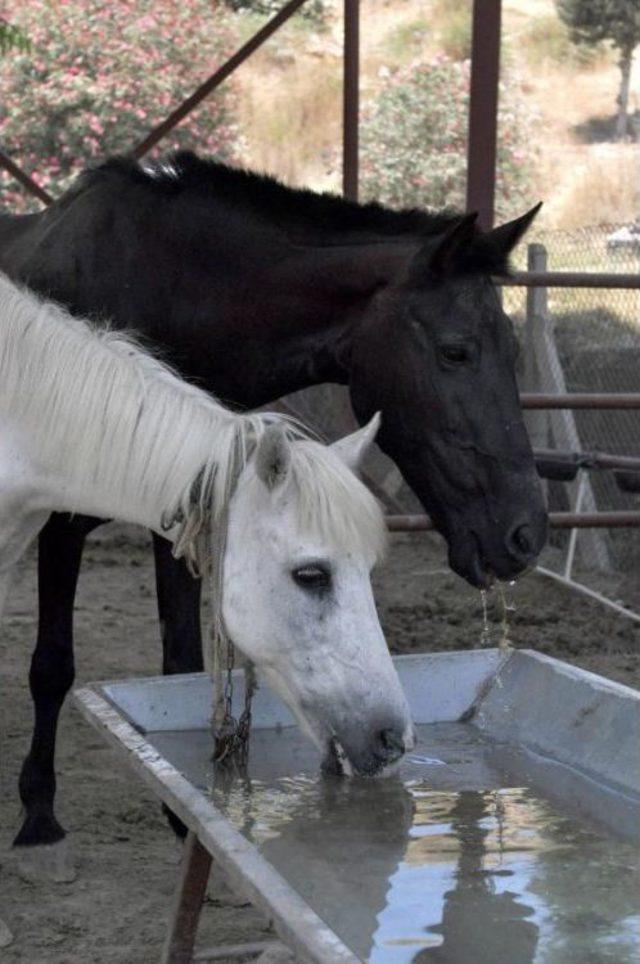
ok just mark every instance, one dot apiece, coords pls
pixel 90 423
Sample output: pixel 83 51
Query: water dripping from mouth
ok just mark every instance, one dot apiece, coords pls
pixel 485 634
pixel 508 606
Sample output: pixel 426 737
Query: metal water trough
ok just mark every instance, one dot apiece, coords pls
pixel 577 733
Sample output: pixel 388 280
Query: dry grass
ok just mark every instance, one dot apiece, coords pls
pixel 290 91
pixel 291 102
pixel 290 113
pixel 603 187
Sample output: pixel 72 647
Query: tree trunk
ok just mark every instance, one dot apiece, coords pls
pixel 622 100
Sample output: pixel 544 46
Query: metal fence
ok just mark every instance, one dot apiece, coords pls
pixel 596 334
pixel 589 250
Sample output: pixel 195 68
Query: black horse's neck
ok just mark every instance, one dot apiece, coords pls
pixel 251 289
pixel 313 299
pixel 248 314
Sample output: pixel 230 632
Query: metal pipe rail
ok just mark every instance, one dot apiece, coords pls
pixel 582 400
pixel 557 520
pixel 569 279
pixel 589 460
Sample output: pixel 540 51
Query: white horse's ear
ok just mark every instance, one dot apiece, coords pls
pixel 273 456
pixel 353 448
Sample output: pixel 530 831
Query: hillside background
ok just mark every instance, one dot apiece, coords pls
pixel 290 107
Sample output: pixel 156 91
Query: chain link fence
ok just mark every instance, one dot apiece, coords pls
pixel 597 336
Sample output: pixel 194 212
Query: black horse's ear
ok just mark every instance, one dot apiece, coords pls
pixel 503 239
pixel 440 259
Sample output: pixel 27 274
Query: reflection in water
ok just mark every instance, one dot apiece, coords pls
pixel 333 846
pixel 588 889
pixel 446 863
pixel 479 920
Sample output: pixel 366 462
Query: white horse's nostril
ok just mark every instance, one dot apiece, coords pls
pixel 393 744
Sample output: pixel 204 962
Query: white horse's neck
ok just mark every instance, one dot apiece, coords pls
pixel 103 428
pixel 89 423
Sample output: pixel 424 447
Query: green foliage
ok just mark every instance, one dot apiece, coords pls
pixel 547 39
pixel 456 39
pixel 414 140
pixel 101 76
pixel 314 10
pixel 405 41
pixel 615 21
pixel 12 38
pixel 591 21
pixel 455 33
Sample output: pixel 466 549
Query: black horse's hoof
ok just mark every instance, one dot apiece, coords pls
pixel 39 829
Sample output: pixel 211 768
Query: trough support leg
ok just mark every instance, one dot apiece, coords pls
pixel 185 915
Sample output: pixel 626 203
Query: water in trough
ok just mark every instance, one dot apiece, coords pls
pixel 456 859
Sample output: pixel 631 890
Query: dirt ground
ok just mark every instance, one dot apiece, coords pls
pixel 126 857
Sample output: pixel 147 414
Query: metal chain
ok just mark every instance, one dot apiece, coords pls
pixel 230 736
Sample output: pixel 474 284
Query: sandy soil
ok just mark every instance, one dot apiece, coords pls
pixel 116 909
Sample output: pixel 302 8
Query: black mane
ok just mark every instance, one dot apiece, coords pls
pixel 317 214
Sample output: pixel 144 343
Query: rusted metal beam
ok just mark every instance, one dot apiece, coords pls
pixel 23 178
pixel 351 99
pixel 557 520
pixel 483 110
pixel 582 400
pixel 187 904
pixel 569 279
pixel 209 85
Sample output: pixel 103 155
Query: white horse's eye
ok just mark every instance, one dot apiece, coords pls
pixel 312 577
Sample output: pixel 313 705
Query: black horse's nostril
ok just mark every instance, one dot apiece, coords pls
pixel 523 538
pixel 392 742
pixel 522 541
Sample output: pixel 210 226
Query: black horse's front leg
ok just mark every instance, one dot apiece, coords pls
pixel 52 671
pixel 179 611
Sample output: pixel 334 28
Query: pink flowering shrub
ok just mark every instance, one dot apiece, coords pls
pixel 414 141
pixel 99 76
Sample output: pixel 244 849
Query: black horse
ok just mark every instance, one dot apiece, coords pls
pixel 255 290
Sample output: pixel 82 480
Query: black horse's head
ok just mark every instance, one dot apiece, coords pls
pixel 436 356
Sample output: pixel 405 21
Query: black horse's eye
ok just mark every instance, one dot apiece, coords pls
pixel 312 577
pixel 454 354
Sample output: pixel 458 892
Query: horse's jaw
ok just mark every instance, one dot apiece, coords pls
pixel 336 763
pixel 351 748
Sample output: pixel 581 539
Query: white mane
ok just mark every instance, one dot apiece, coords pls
pixel 136 428
pixel 333 503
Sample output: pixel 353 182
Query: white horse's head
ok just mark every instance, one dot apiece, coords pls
pixel 303 536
